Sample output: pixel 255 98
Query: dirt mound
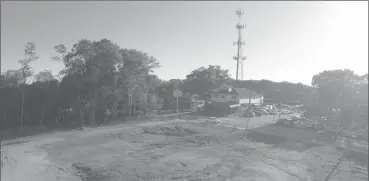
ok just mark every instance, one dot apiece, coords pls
pixel 266 138
pixel 168 130
pixel 88 174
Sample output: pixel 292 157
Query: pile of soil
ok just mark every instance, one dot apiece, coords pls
pixel 168 130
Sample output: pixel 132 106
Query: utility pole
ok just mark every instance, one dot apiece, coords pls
pixel 239 58
pixel 355 107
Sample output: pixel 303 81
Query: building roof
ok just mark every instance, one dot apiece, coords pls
pixel 187 95
pixel 237 91
pixel 247 92
pixel 234 105
pixel 225 90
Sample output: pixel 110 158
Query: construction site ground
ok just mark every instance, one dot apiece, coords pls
pixel 203 149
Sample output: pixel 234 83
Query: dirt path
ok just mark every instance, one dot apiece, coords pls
pixel 23 159
pixel 28 163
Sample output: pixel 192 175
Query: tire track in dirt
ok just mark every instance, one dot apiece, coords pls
pixel 334 168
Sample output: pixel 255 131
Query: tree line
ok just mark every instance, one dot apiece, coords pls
pixel 101 81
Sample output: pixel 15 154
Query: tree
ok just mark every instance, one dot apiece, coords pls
pixel 72 86
pixel 133 80
pixel 201 80
pixel 61 50
pixel 73 93
pixel 166 89
pixel 134 76
pixel 101 59
pixel 102 79
pixel 44 96
pixel 10 95
pixel 107 70
pixel 30 56
pixel 98 77
pixel 11 78
pixel 154 103
pixel 44 76
pixel 94 62
pixel 334 87
pixel 341 89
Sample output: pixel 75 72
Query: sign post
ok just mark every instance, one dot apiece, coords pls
pixel 177 109
pixel 247 124
pixel 177 93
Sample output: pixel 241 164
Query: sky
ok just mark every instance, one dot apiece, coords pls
pixel 284 41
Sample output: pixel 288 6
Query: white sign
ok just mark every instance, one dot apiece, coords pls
pixel 177 93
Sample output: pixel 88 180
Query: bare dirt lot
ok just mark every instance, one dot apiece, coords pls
pixel 177 150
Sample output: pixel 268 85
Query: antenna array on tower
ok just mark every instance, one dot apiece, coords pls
pixel 240 58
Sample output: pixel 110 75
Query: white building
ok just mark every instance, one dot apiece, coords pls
pixel 231 95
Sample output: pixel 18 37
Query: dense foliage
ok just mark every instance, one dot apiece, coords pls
pixel 102 81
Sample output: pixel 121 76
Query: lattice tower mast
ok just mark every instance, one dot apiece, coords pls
pixel 239 58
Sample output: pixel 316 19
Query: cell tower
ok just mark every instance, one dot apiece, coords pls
pixel 239 58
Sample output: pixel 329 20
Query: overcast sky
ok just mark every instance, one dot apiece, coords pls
pixel 285 41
